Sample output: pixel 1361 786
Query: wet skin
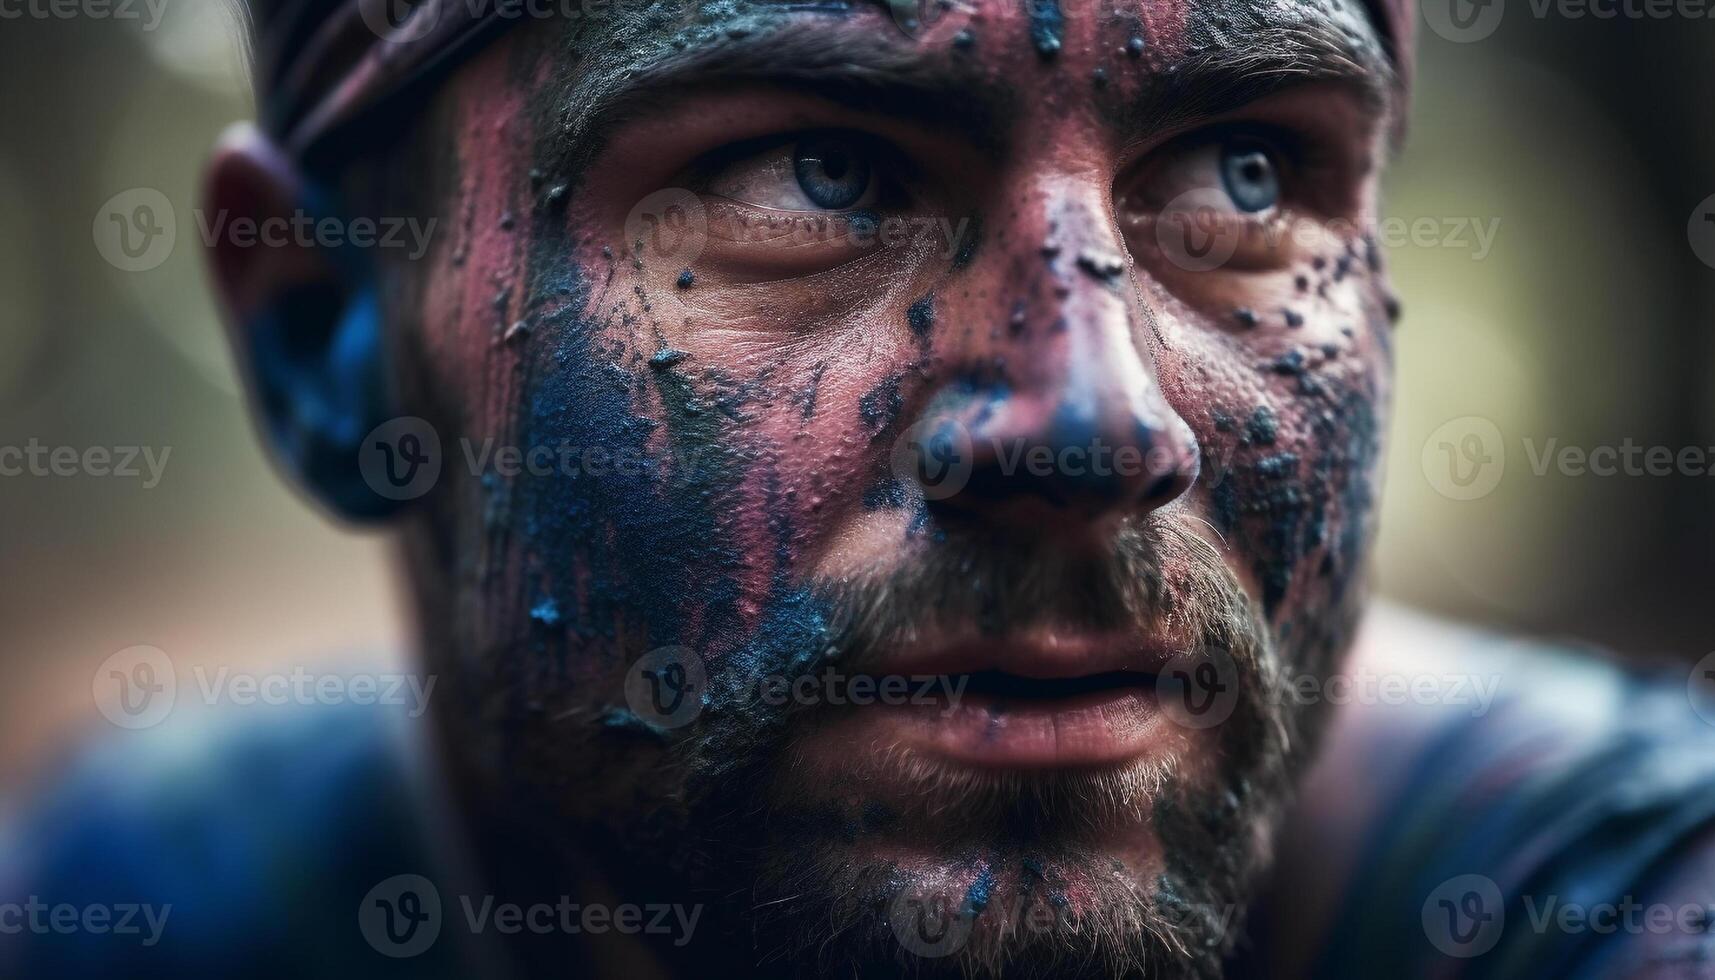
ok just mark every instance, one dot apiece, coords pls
pixel 1043 296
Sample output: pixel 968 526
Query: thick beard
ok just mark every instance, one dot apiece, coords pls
pixel 790 879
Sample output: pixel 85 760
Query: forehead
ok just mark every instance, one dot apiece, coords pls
pixel 981 65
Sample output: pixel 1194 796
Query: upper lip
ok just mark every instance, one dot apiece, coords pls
pixel 1035 655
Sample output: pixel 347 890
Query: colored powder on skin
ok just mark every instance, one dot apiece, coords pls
pixel 885 494
pixel 881 404
pixel 665 358
pixel 921 316
pixel 546 612
pixel 812 390
pixel 622 720
pixel 1047 27
pixel 977 896
pixel 1277 465
pixel 1263 426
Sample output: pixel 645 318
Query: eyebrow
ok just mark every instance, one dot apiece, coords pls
pixel 946 90
pixel 1225 79
pixel 845 66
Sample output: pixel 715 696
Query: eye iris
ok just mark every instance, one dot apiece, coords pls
pixel 1250 177
pixel 830 172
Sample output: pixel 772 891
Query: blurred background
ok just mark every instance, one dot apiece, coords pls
pixel 1545 230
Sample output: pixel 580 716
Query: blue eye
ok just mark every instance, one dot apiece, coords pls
pixel 1250 177
pixel 831 171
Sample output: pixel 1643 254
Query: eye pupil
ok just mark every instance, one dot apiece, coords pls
pixel 834 165
pixel 1250 176
pixel 831 172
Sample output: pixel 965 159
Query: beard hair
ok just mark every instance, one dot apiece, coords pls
pixel 782 868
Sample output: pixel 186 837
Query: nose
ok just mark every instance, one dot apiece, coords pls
pixel 1061 416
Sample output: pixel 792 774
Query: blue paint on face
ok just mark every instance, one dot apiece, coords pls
pixel 321 390
pixel 977 896
pixel 546 612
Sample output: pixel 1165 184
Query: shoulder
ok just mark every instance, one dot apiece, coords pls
pixel 1512 809
pixel 212 840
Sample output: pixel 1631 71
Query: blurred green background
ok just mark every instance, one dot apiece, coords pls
pixel 1584 144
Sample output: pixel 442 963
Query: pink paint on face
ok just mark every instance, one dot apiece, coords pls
pixel 931 333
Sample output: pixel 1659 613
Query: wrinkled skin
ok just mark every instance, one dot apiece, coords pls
pixel 769 387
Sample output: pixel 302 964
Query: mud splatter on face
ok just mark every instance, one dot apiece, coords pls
pixel 732 405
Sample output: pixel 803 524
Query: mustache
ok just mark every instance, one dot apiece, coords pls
pixel 1155 574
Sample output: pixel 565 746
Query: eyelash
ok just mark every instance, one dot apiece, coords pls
pixel 893 172
pixel 1300 162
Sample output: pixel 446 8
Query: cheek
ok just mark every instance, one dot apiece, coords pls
pixel 1289 414
pixel 800 385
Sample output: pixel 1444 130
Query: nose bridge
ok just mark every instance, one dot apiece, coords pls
pixel 1080 422
pixel 1102 375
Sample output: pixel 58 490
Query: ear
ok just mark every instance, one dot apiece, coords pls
pixel 303 321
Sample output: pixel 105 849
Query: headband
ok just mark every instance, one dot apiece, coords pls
pixel 324 65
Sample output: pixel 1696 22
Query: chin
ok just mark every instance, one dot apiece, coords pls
pixel 900 865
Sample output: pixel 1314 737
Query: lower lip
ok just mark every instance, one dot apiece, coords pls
pixel 1097 728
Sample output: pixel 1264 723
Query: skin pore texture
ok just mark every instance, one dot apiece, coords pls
pixel 760 369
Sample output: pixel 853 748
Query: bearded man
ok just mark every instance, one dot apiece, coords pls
pixel 889 486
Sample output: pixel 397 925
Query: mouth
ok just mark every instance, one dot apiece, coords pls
pixel 1001 687
pixel 1043 704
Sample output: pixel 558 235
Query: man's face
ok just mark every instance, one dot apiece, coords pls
pixel 1038 349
